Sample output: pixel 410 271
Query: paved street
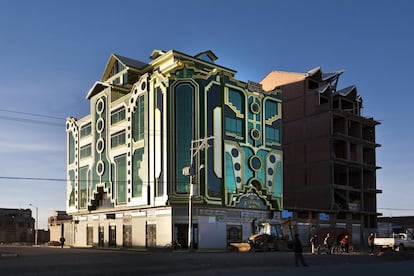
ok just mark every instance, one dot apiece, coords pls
pixel 75 261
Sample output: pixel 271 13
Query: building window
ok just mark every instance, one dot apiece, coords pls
pixel 272 135
pixel 85 130
pixel 234 126
pixel 184 127
pixel 71 188
pixel 85 151
pixel 272 122
pixel 136 179
pixel 234 114
pixel 138 120
pixel 71 148
pixel 120 174
pixel 117 115
pixel 83 183
pixel 118 139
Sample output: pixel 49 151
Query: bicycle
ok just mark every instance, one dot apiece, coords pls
pixel 173 245
pixel 339 249
pixel 322 249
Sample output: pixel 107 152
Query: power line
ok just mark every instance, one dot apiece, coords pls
pixel 15 119
pixel 32 114
pixel 32 121
pixel 32 178
pixel 79 180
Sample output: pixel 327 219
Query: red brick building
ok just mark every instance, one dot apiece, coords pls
pixel 329 154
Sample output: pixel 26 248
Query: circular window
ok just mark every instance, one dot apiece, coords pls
pixel 100 145
pixel 270 171
pixel 255 134
pixel 238 179
pixel 255 163
pixel 100 125
pixel 234 152
pixel 143 85
pixel 100 106
pixel 100 168
pixel 237 166
pixel 254 107
pixel 272 159
pixel 269 183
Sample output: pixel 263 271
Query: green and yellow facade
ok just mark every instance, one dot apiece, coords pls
pixel 125 159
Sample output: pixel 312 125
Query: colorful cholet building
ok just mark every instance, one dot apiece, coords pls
pixel 176 149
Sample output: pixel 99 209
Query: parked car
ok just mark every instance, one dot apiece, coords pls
pixel 397 242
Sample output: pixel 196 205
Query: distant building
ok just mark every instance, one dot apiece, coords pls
pixel 56 224
pixel 398 224
pixel 176 149
pixel 329 154
pixel 16 225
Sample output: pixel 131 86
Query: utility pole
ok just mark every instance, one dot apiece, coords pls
pixel 196 147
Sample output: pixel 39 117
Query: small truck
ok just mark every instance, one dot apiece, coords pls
pixel 397 242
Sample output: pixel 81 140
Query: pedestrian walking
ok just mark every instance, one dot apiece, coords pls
pixel 327 242
pixel 298 248
pixel 62 241
pixel 371 239
pixel 314 244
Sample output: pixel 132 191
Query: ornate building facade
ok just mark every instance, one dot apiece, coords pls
pixel 176 149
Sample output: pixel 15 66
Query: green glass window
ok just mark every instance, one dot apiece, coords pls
pixel 120 172
pixel 236 99
pixel 117 115
pixel 234 125
pixel 85 151
pixel 138 120
pixel 271 109
pixel 72 188
pixel 83 184
pixel 230 179
pixel 86 130
pixel 272 134
pixel 71 148
pixel 272 131
pixel 184 114
pixel 118 139
pixel 277 189
pixel 136 166
pixel 235 109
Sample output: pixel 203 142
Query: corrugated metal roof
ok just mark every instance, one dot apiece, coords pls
pixel 346 91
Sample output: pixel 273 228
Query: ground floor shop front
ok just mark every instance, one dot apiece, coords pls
pixel 212 228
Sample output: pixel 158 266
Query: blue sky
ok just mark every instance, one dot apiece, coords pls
pixel 52 52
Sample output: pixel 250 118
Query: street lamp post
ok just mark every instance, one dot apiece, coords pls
pixel 36 222
pixel 196 146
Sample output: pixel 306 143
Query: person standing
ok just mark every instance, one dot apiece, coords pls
pixel 327 242
pixel 314 243
pixel 298 248
pixel 345 243
pixel 62 241
pixel 371 239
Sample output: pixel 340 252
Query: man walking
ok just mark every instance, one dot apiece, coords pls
pixel 297 247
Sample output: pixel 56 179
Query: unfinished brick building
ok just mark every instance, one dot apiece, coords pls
pixel 329 155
